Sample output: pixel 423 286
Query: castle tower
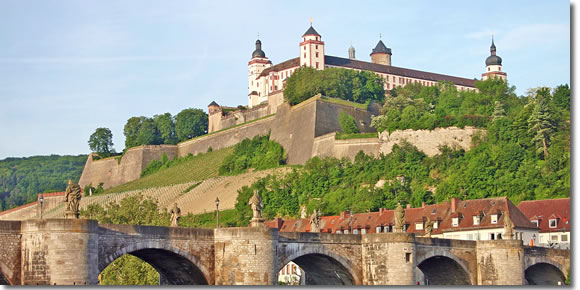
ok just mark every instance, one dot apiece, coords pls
pixel 259 62
pixel 351 52
pixel 312 49
pixel 493 65
pixel 381 54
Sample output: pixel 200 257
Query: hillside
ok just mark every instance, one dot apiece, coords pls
pixel 196 168
pixel 22 178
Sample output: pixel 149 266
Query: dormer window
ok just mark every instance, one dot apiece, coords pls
pixel 536 223
pixel 476 220
pixel 494 218
pixel 455 221
pixel 418 226
pixel 553 223
pixel 435 224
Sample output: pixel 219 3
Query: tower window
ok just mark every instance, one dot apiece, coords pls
pixel 317 53
pixel 317 46
pixel 499 68
pixel 304 47
pixel 488 69
pixel 316 64
pixel 305 55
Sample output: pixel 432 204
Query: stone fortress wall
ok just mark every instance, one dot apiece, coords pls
pixel 305 130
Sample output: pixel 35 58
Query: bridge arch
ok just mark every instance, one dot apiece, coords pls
pixel 544 271
pixel 176 265
pixel 308 258
pixel 441 266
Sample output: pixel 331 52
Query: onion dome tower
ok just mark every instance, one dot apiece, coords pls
pixel 493 65
pixel 259 62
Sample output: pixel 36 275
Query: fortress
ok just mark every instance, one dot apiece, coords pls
pixel 307 129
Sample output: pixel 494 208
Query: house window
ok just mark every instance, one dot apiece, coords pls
pixel 536 222
pixel 476 220
pixel 435 224
pixel 564 238
pixel 388 86
pixel 355 232
pixel 338 232
pixel 418 226
pixel 554 238
pixel 363 231
pixel 494 218
pixel 499 237
pixel 492 236
pixel 346 232
pixel 553 223
pixel 378 229
pixel 455 222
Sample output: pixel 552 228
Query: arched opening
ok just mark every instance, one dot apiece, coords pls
pixel 544 274
pixel 153 267
pixel 442 270
pixel 315 269
pixel 3 279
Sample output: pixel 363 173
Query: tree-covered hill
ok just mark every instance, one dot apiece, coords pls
pixel 22 178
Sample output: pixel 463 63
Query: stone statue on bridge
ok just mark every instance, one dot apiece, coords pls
pixel 315 222
pixel 399 218
pixel 428 227
pixel 175 215
pixel 256 203
pixel 508 227
pixel 72 197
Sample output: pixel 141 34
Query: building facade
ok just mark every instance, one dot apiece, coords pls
pixel 552 217
pixel 478 219
pixel 266 79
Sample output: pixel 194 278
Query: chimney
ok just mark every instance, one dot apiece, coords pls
pixel 343 214
pixel 381 210
pixel 408 205
pixel 453 204
pixel 422 204
pixel 278 222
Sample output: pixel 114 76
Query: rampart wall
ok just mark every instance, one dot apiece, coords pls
pixel 304 130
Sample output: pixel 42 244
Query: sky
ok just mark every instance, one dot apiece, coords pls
pixel 69 67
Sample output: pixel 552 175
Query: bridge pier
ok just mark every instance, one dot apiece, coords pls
pixel 500 262
pixel 246 256
pixel 59 252
pixel 388 259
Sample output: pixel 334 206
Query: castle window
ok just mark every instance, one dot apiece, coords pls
pixel 499 68
pixel 305 55
pixel 317 48
pixel 388 86
pixel 304 47
pixel 317 62
pixel 488 69
pixel 317 53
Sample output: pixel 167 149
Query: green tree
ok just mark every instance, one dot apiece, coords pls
pixel 190 123
pixel 166 128
pixel 347 123
pixel 562 97
pixel 148 133
pixel 131 131
pixel 498 111
pixel 541 123
pixel 101 142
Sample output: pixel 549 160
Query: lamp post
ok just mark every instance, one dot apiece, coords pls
pixel 217 212
pixel 41 201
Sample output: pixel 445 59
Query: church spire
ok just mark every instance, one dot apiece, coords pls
pixel 492 47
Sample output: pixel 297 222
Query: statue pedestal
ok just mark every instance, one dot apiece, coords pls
pixel 256 222
pixel 71 214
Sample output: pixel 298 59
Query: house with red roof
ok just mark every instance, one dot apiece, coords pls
pixel 552 216
pixel 479 219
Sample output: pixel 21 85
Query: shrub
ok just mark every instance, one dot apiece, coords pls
pixel 347 123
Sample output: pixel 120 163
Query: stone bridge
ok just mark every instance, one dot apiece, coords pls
pixel 74 252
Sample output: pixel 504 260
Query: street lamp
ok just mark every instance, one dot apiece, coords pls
pixel 41 200
pixel 217 211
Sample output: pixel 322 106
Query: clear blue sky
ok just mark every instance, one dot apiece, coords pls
pixel 69 67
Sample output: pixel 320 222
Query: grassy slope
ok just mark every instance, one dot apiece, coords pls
pixel 345 102
pixel 344 136
pixel 199 168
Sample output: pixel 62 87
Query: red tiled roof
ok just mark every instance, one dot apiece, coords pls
pixel 294 62
pixel 438 212
pixel 544 210
pixel 399 71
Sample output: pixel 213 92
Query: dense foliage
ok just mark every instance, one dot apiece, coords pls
pixel 515 158
pixel 21 179
pixel 165 129
pixel 347 123
pixel 101 142
pixel 259 153
pixel 346 84
pixel 422 107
